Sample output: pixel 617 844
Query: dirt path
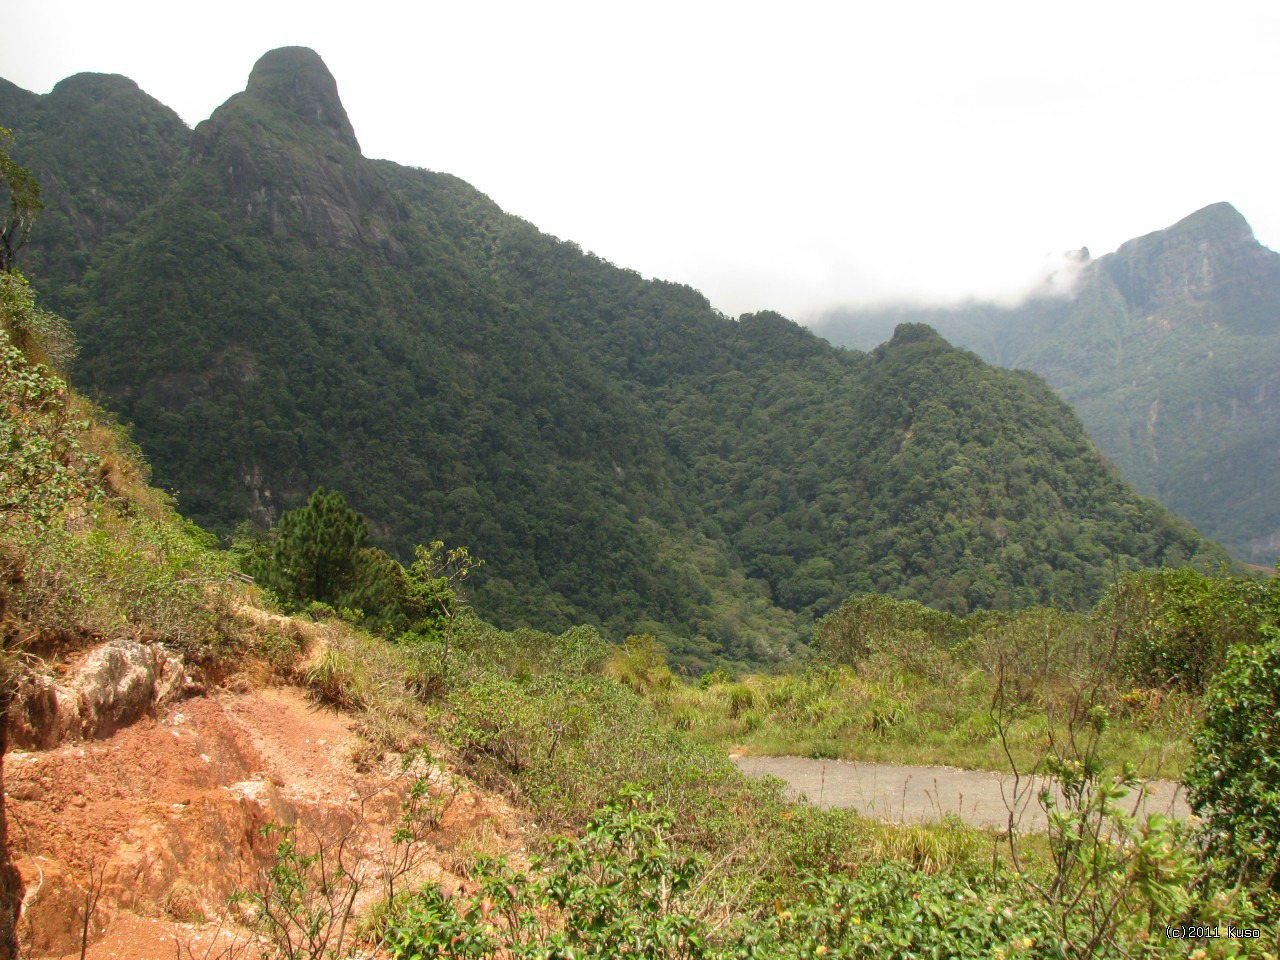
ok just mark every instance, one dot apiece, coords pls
pixel 921 794
pixel 164 818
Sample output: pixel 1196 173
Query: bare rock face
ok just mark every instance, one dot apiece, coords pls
pixel 1207 266
pixel 290 162
pixel 117 684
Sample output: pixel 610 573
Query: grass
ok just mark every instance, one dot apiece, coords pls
pixel 888 716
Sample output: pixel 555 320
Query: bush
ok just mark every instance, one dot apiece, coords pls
pixel 892 910
pixel 867 624
pixel 621 889
pixel 1175 626
pixel 43 467
pixel 641 664
pixel 1234 778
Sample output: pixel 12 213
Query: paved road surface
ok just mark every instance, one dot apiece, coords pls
pixel 919 794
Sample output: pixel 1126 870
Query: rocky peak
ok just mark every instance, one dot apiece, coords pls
pixel 290 162
pixel 1191 261
pixel 296 80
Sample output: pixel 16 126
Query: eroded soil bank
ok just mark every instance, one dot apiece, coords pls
pixel 157 824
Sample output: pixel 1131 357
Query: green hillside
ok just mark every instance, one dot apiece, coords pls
pixel 282 313
pixel 1169 350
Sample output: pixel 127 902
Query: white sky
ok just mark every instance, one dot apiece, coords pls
pixel 790 157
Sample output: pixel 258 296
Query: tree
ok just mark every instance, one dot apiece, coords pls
pixel 24 204
pixel 436 581
pixel 317 550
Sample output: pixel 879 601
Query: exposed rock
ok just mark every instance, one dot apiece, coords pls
pixel 297 80
pixel 323 194
pixel 116 684
pixel 1210 259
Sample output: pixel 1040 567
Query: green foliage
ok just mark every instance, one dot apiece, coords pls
pixel 1166 357
pixel 1234 778
pixel 88 549
pixel 625 888
pixel 867 624
pixel 892 910
pixel 42 467
pixel 619 452
pixel 436 593
pixel 620 889
pixel 42 337
pixel 120 574
pixel 316 551
pixel 24 204
pixel 304 902
pixel 922 684
pixel 1176 625
pixel 640 663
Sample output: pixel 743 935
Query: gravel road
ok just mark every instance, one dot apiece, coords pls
pixel 920 794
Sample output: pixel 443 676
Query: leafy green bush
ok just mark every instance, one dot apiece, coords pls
pixel 892 910
pixel 41 464
pixel 1234 778
pixel 120 574
pixel 866 624
pixel 1175 626
pixel 641 664
pixel 620 889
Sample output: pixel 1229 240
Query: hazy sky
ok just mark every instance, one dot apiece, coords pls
pixel 777 156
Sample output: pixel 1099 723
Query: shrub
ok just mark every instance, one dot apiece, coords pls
pixel 641 664
pixel 620 889
pixel 892 910
pixel 43 467
pixel 339 679
pixel 1175 626
pixel 1234 777
pixel 866 624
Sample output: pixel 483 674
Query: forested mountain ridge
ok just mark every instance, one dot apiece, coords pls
pixel 1169 349
pixel 107 152
pixel 288 314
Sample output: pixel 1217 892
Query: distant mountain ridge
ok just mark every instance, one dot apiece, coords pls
pixel 1170 351
pixel 286 313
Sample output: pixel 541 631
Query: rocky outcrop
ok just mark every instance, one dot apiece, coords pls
pixel 115 685
pixel 1207 267
pixel 290 161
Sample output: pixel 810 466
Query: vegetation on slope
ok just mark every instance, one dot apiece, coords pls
pixel 692 859
pixel 287 315
pixel 1167 348
pixel 895 681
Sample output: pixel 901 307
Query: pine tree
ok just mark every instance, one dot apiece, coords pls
pixel 316 552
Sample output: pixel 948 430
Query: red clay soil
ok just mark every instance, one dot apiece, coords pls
pixel 163 821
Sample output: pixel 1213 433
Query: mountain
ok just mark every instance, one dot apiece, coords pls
pixel 1169 349
pixel 106 151
pixel 286 313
